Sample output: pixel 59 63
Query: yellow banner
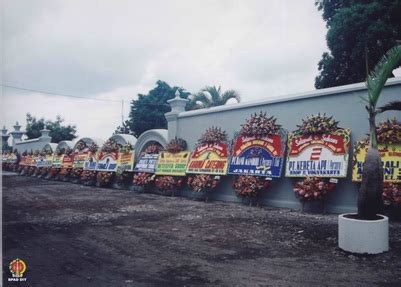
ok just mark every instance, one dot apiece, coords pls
pixel 391 158
pixel 172 163
pixel 57 160
pixel 126 160
pixel 11 158
pixel 209 159
pixel 79 159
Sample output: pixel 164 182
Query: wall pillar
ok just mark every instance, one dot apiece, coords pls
pixel 4 138
pixel 16 134
pixel 177 106
pixel 45 136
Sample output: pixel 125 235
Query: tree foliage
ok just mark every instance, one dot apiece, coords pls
pixel 147 112
pixel 211 96
pixel 58 131
pixel 123 129
pixel 359 33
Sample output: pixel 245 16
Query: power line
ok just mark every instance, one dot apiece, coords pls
pixel 80 97
pixel 63 95
pixel 71 96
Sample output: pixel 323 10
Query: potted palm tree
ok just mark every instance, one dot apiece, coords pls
pixel 367 231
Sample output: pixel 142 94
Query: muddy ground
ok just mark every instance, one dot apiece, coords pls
pixel 71 235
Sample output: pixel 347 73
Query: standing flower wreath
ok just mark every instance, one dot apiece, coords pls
pixel 46 169
pixel 312 188
pixel 21 163
pixel 65 172
pixel 88 177
pixel 388 133
pixel 123 177
pixel 142 180
pixel 76 172
pixel 32 169
pixel 167 184
pixel 104 178
pixel 54 172
pixel 25 167
pixel 204 183
pixel 39 169
pixel 258 125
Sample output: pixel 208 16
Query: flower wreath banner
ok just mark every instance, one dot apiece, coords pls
pixel 321 155
pixel 261 156
pixel 57 160
pixel 91 161
pixel 147 163
pixel 107 161
pixel 209 158
pixel 11 158
pixel 79 158
pixel 172 163
pixel 67 161
pixel 45 160
pixel 390 156
pixel 126 160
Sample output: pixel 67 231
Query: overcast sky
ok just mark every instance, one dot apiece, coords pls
pixel 117 49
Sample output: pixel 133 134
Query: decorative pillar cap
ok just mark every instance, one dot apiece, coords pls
pixel 45 133
pixel 17 126
pixel 4 131
pixel 177 104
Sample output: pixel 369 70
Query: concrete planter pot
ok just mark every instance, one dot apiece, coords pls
pixel 363 236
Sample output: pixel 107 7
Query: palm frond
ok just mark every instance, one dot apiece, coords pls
pixel 392 106
pixel 230 94
pixel 364 99
pixel 214 94
pixel 383 69
pixel 201 97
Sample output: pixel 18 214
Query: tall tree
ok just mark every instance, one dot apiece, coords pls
pixel 58 131
pixel 359 33
pixel 147 112
pixel 211 96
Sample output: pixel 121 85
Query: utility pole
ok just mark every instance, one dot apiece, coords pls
pixel 122 113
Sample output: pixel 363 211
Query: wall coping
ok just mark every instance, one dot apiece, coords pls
pixel 286 98
pixel 52 146
pixel 28 141
pixel 124 139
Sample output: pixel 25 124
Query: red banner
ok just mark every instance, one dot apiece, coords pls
pixel 68 161
pixel 335 143
pixel 272 143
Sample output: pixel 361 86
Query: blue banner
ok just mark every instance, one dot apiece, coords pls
pixel 147 163
pixel 257 156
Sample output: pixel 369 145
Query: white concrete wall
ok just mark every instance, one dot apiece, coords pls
pixel 343 103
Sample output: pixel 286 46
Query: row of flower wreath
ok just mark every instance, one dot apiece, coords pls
pixel 258 125
pixel 88 177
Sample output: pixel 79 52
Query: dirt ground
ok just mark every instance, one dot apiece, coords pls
pixel 71 235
